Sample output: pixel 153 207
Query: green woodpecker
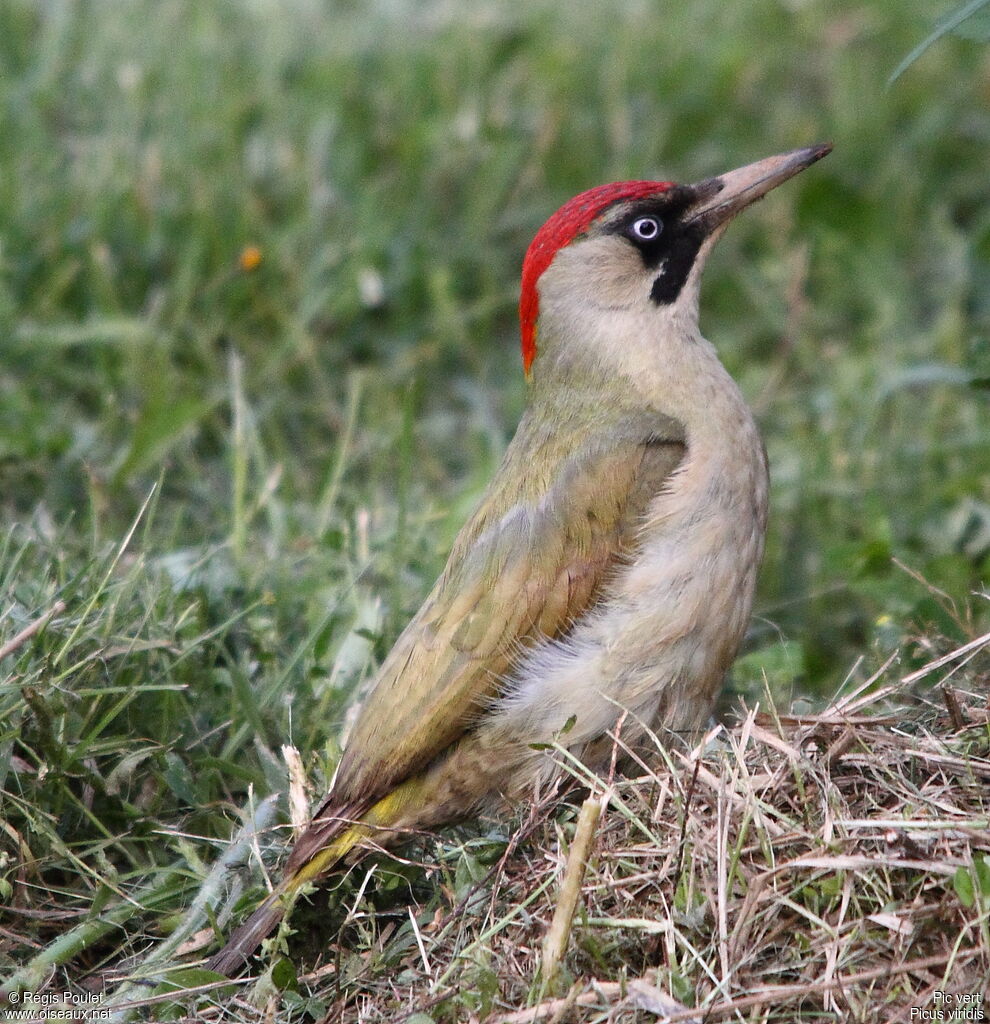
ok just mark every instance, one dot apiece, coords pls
pixel 609 570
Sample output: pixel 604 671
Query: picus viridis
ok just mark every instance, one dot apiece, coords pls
pixel 610 567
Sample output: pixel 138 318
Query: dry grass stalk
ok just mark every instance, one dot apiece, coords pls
pixel 555 942
pixel 31 629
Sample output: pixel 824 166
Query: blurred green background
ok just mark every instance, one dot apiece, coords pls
pixel 306 435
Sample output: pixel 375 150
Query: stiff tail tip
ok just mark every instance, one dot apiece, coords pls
pixel 248 937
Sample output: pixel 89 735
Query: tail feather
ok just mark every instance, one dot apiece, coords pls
pixel 248 936
pixel 332 835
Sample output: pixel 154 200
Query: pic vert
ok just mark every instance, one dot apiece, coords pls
pixel 610 568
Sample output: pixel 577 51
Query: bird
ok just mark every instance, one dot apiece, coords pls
pixel 609 570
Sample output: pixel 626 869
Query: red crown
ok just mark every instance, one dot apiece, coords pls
pixel 561 229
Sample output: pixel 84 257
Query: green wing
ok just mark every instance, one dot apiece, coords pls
pixel 532 558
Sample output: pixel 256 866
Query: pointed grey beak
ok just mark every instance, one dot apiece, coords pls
pixel 719 199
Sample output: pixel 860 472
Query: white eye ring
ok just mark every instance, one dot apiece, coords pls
pixel 646 229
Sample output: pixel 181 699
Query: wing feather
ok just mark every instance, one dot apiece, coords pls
pixel 527 564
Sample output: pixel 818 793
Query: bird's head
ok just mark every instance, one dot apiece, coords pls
pixel 635 246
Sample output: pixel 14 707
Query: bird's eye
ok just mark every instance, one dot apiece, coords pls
pixel 646 229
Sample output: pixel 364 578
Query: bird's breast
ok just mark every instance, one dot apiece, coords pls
pixel 690 587
pixel 666 627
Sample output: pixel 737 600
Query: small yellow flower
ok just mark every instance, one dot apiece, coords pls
pixel 250 258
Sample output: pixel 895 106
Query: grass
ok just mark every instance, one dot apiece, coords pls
pixel 783 889
pixel 230 484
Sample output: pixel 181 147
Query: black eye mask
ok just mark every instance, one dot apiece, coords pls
pixel 673 249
